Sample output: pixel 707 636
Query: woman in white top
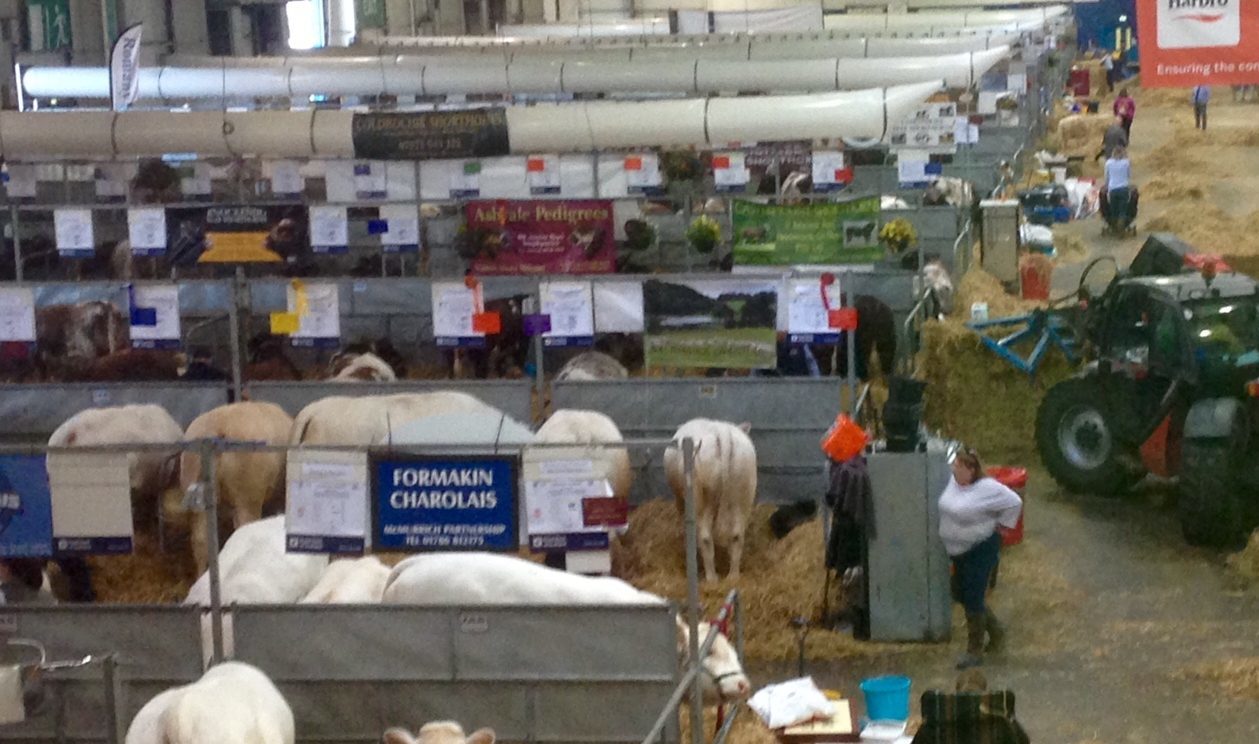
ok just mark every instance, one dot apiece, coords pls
pixel 1118 180
pixel 971 508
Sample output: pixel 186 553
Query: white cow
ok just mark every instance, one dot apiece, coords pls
pixel 255 569
pixel 439 732
pixel 575 426
pixel 151 472
pixel 725 486
pixel 592 365
pixel 365 367
pixel 232 702
pixel 936 278
pixel 245 480
pixel 446 579
pixel 350 581
pixel 370 419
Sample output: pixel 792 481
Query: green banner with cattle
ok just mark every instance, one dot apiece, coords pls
pixel 789 234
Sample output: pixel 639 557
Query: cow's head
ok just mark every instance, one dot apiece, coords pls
pixel 439 732
pixel 722 679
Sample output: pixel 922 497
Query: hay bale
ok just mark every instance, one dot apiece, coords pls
pixel 974 396
pixel 1081 134
pixel 1206 225
pixel 1238 678
pixel 1070 248
pixel 1174 187
pixel 978 285
pixel 1246 561
pixel 748 728
pixel 782 579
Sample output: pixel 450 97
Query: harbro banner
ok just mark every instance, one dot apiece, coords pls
pixel 830 233
pixel 1190 42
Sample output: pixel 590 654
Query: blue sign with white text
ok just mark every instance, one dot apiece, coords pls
pixel 25 507
pixel 441 503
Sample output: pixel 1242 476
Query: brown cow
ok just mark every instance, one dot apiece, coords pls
pixel 130 365
pixel 83 331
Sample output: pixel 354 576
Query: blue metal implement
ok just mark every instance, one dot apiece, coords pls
pixel 1047 328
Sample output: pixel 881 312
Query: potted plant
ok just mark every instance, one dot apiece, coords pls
pixel 898 235
pixel 703 234
pixel 640 235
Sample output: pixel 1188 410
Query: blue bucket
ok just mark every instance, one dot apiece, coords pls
pixel 887 698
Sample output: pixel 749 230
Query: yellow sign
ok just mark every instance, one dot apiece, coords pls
pixel 284 324
pixel 238 247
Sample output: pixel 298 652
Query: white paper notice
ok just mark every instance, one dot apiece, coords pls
pixel 806 312
pixel 543 173
pixel 962 131
pixel 1016 83
pixel 146 229
pixel 164 299
pixel 618 307
pixel 730 170
pixel 404 226
pixel 17 314
pixel 322 321
pixel 828 169
pixel 329 229
pixel 286 177
pixel 642 172
pixel 370 181
pixel 554 506
pixel 465 180
pixel 73 229
pixel 200 183
pixel 326 507
pixel 23 180
pixel 91 502
pixel 453 306
pixel 912 167
pixel 571 307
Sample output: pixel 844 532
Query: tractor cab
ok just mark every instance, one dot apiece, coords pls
pixel 1171 390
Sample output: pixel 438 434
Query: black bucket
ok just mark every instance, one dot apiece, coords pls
pixel 905 391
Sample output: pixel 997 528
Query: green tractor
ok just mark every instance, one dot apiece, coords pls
pixel 1171 389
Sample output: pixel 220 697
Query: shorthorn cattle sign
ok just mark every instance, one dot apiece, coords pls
pixel 1198 42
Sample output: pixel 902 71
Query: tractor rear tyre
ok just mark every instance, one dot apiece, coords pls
pixel 1077 442
pixel 1211 514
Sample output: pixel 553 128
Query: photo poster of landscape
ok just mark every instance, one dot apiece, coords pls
pixel 711 323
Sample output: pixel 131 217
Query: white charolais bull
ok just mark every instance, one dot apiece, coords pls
pixel 151 472
pixel 725 486
pixel 342 420
pixel 232 702
pixel 254 568
pixel 439 732
pixel 245 480
pixel 592 365
pixel 350 581
pixel 575 426
pixel 446 579
pixel 366 367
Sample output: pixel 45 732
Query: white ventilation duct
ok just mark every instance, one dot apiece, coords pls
pixel 1026 19
pixel 487 132
pixel 300 79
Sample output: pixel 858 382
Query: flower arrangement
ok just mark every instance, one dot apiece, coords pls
pixel 898 234
pixel 704 234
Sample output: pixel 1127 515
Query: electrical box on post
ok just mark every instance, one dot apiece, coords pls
pixel 1000 240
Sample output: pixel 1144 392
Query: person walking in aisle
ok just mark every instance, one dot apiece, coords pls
pixel 1126 110
pixel 1201 97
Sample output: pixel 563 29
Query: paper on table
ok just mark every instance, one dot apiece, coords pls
pixel 791 702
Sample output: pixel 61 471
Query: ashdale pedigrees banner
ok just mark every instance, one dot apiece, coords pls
pixel 1185 43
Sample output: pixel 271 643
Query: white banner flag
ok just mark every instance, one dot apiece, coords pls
pixel 124 68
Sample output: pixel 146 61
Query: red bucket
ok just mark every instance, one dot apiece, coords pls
pixel 1014 479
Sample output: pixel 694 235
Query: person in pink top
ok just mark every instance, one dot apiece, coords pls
pixel 1126 109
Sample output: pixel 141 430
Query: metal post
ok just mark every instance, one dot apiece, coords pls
pixel 850 338
pixel 692 589
pixel 233 323
pixel 15 221
pixel 209 505
pixel 485 17
pixel 109 673
pixel 539 371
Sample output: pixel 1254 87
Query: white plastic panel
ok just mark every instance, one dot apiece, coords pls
pixel 857 114
pixel 342 77
pixel 46 134
pixel 404 77
pixel 658 123
pixel 256 83
pixel 577 176
pixel 504 178
pixel 767 75
pixel 339 181
pixel 817 49
pixel 664 76
pixel 331 133
pixel 612 182
pixel 273 133
pixel 716 50
pixel 435 179
pixel 400 180
pixel 158 132
pixel 466 76
pixel 55 82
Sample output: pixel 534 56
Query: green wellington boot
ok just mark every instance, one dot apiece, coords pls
pixel 975 632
